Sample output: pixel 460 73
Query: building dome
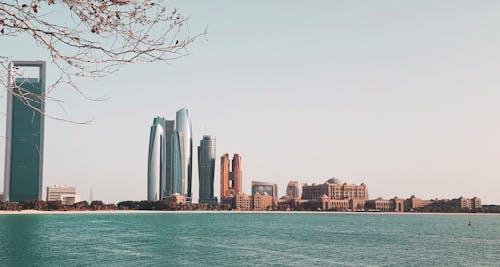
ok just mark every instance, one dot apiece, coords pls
pixel 334 181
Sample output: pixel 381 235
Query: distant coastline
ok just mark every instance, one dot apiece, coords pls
pixel 30 212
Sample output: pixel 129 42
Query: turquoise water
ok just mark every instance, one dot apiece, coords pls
pixel 194 239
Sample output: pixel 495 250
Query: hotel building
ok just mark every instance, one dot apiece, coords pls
pixel 230 180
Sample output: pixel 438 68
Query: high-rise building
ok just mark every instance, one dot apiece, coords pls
pixel 206 169
pixel 183 127
pixel 167 179
pixel 230 178
pixel 24 134
pixel 66 194
pixel 265 188
pixel 224 176
pixel 174 167
pixel 156 159
pixel 237 174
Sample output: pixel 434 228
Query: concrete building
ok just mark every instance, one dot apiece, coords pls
pixel 24 137
pixel 258 202
pixel 466 203
pixel 236 173
pixel 66 194
pixel 230 178
pixel 176 199
pixel 334 189
pixel 294 190
pixel 206 169
pixel 414 203
pixel 270 189
pixel 379 204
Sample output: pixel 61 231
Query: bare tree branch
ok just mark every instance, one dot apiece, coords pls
pixel 93 38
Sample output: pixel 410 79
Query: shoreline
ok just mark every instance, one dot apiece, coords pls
pixel 28 212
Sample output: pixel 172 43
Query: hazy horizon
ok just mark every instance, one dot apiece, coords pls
pixel 401 96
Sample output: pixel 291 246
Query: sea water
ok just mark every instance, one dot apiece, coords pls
pixel 240 239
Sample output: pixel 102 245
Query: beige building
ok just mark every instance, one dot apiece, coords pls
pixel 254 202
pixel 466 203
pixel 294 190
pixel 176 198
pixel 66 194
pixel 379 204
pixel 414 203
pixel 334 189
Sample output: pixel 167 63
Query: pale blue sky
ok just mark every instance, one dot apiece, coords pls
pixel 401 95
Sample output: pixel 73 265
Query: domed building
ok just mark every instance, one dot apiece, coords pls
pixel 333 181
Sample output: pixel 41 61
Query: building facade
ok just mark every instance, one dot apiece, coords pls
pixel 66 194
pixel 270 189
pixel 206 169
pixel 184 129
pixel 230 178
pixel 387 205
pixel 294 190
pixel 335 190
pixel 24 140
pixel 166 183
pixel 156 159
pixel 257 202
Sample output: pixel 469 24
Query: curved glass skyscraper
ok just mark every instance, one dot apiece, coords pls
pixel 183 127
pixel 156 159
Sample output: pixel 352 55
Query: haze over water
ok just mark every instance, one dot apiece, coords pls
pixel 234 239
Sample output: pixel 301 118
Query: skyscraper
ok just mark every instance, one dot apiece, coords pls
pixel 156 159
pixel 174 181
pixel 183 127
pixel 24 134
pixel 224 176
pixel 237 174
pixel 206 169
pixel 166 182
pixel 230 178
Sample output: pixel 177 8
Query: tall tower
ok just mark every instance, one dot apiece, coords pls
pixel 174 184
pixel 156 159
pixel 24 134
pixel 206 168
pixel 237 174
pixel 183 127
pixel 224 176
pixel 166 182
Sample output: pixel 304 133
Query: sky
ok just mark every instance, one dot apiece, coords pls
pixel 401 95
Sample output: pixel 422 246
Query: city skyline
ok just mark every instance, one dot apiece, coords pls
pixel 398 96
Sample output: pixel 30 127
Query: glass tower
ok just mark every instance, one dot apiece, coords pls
pixel 166 183
pixel 183 127
pixel 24 135
pixel 156 159
pixel 206 169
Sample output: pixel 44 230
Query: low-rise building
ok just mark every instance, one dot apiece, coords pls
pixel 66 194
pixel 379 204
pixel 177 199
pixel 335 189
pixel 414 203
